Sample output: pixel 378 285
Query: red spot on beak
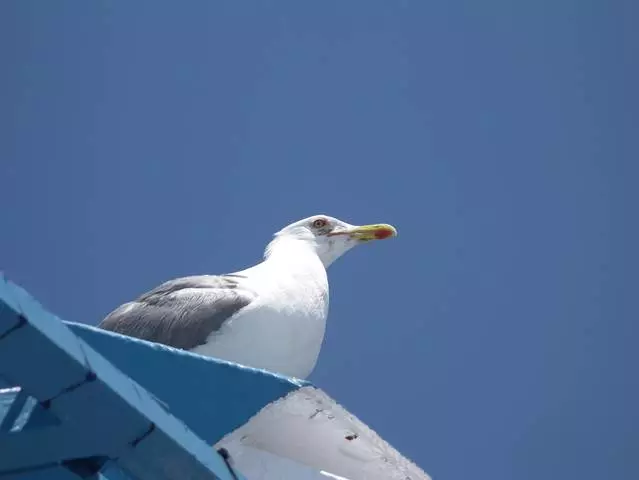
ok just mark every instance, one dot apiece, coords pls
pixel 383 233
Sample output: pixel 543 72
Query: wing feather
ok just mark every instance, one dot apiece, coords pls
pixel 181 313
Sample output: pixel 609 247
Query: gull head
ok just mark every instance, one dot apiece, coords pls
pixel 328 237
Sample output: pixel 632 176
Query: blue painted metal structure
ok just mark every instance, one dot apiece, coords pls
pixel 93 404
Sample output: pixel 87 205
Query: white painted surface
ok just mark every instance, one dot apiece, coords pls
pixel 307 433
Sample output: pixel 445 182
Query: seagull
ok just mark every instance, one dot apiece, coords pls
pixel 271 316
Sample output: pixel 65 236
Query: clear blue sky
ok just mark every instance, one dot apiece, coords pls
pixel 496 337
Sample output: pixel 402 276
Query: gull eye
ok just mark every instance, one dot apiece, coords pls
pixel 319 223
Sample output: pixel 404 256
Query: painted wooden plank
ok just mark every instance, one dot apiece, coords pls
pixel 10 306
pixel 17 408
pixel 54 472
pixel 35 416
pixel 12 403
pixel 62 370
pixel 46 446
pixel 112 471
pixel 94 399
pixel 211 396
pixel 81 397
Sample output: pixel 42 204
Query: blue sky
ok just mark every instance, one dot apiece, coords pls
pixel 496 337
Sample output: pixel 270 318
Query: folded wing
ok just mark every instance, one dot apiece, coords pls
pixel 181 313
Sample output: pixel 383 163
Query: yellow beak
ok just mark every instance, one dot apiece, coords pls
pixel 366 233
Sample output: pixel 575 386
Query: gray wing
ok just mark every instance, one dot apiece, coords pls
pixel 181 313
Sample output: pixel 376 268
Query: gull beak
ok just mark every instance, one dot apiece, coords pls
pixel 366 233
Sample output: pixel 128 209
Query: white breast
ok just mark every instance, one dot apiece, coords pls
pixel 283 329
